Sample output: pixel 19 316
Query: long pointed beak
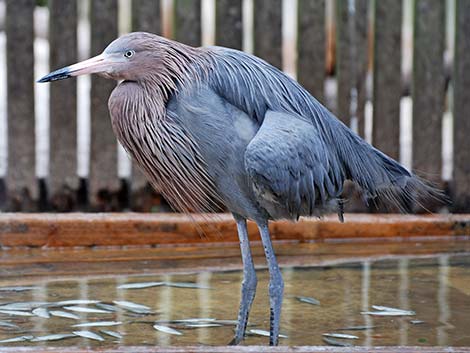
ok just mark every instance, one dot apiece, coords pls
pixel 90 66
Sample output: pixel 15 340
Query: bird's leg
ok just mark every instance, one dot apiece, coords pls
pixel 249 281
pixel 276 284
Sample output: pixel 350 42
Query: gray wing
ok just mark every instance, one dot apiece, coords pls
pixel 291 168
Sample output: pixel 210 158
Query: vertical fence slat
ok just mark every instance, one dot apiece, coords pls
pixel 268 31
pixel 21 179
pixel 428 87
pixel 351 58
pixel 146 16
pixel 63 103
pixel 311 46
pixel 461 174
pixel 103 159
pixel 387 77
pixel 188 22
pixel 229 26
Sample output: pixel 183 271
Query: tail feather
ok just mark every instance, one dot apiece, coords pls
pixel 382 177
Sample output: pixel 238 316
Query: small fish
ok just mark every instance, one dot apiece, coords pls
pixel 166 329
pixel 341 335
pixel 64 314
pixel 82 309
pixel 140 311
pixel 337 343
pixel 107 307
pixel 201 325
pixel 387 308
pixel 17 289
pixel 417 322
pixel 308 300
pixel 76 302
pixel 55 337
pixel 17 339
pixel 127 304
pixel 98 324
pixel 88 334
pixel 355 328
pixel 112 333
pixel 16 312
pixel 263 333
pixel 228 322
pixel 140 285
pixel 388 313
pixel 185 285
pixel 42 312
pixel 27 306
pixel 8 324
pixel 194 320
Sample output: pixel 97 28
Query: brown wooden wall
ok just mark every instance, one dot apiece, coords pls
pixel 366 45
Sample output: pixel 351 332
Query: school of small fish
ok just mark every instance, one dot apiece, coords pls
pixel 71 309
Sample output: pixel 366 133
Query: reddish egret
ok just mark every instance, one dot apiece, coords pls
pixel 213 126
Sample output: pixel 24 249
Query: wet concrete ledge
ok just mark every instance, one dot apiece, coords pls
pixel 241 349
pixel 118 229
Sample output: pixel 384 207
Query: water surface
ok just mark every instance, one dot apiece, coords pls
pixel 437 289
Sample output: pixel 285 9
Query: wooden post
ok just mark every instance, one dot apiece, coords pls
pixel 103 162
pixel 268 31
pixel 311 47
pixel 188 22
pixel 21 178
pixel 428 87
pixel 146 16
pixel 63 179
pixel 387 77
pixel 351 59
pixel 229 26
pixel 461 177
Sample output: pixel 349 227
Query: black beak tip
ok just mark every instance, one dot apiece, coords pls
pixel 60 74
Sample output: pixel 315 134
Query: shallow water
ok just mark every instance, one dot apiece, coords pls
pixel 437 289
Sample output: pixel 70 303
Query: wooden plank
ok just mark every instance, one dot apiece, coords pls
pixel 21 177
pixel 229 25
pixel 63 178
pixel 351 59
pixel 461 173
pixel 311 69
pixel 59 230
pixel 146 16
pixel 103 177
pixel 187 28
pixel 268 31
pixel 428 87
pixel 235 349
pixel 387 77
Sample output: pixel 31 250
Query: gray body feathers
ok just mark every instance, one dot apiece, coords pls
pixel 272 150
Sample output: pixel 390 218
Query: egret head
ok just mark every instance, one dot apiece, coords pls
pixel 133 57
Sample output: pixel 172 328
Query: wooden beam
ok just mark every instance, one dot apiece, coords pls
pixel 461 177
pixel 351 59
pixel 187 26
pixel 387 77
pixel 21 179
pixel 62 230
pixel 268 31
pixel 311 69
pixel 229 25
pixel 103 177
pixel 63 178
pixel 428 87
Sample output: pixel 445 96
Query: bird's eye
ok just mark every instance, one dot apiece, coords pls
pixel 129 54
